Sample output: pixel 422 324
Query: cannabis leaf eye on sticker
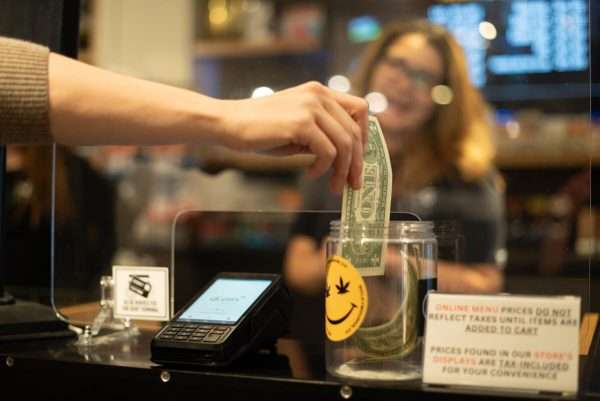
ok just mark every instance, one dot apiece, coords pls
pixel 344 314
pixel 342 287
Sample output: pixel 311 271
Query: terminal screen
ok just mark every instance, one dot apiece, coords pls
pixel 225 301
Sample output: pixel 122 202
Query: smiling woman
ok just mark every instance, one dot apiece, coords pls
pixel 439 138
pixel 409 62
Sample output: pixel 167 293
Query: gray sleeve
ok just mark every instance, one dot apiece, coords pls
pixel 478 210
pixel 310 220
pixel 317 196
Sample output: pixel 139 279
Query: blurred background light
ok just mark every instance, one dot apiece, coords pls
pixel 363 29
pixel 442 94
pixel 262 91
pixel 377 102
pixel 339 83
pixel 488 30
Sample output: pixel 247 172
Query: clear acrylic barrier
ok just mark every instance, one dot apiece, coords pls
pixel 206 242
pixel 116 205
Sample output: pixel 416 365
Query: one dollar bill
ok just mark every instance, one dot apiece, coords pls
pixel 368 207
pixel 397 337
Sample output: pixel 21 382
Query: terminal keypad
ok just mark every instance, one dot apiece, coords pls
pixel 195 333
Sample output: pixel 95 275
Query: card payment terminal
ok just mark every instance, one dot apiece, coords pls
pixel 233 314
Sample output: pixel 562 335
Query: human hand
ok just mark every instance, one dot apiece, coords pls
pixel 309 118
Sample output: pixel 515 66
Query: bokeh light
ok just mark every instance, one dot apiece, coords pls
pixel 339 83
pixel 442 94
pixel 487 30
pixel 262 91
pixel 377 102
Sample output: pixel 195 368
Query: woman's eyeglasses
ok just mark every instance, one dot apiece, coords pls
pixel 422 79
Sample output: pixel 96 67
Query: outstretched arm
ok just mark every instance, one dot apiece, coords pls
pixel 89 105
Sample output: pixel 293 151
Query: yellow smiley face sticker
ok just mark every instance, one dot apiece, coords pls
pixel 346 299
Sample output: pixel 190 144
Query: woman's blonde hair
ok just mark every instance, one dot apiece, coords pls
pixel 459 134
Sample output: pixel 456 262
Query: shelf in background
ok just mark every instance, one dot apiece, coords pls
pixel 532 154
pixel 219 48
pixel 533 160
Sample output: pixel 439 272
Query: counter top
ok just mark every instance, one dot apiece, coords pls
pixel 121 367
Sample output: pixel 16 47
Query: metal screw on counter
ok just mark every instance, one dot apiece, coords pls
pixel 346 392
pixel 165 376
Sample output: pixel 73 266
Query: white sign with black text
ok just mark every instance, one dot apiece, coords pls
pixel 522 343
pixel 141 292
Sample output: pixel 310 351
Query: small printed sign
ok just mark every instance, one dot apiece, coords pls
pixel 521 343
pixel 141 293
